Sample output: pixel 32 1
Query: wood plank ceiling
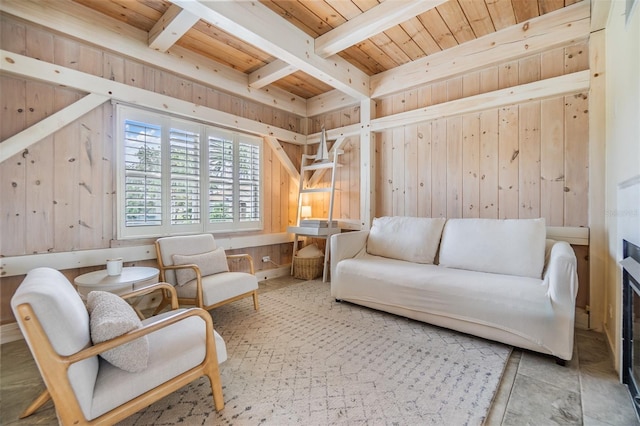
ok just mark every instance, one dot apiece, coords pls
pixel 448 24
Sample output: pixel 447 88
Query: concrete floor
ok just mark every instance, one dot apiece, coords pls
pixel 534 390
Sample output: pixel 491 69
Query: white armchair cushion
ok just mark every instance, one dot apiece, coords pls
pixel 110 317
pixel 501 246
pixel 217 288
pixel 413 239
pixel 173 350
pixel 212 262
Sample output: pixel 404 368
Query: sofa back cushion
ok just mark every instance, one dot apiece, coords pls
pixel 414 239
pixel 507 246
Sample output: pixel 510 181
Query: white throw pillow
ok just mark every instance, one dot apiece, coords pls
pixel 110 317
pixel 211 262
pixel 501 246
pixel 414 239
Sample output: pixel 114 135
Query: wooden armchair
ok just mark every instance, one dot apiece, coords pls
pixel 206 280
pixel 86 389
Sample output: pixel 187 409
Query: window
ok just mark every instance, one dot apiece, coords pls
pixel 176 177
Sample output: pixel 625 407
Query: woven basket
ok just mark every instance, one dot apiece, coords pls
pixel 307 268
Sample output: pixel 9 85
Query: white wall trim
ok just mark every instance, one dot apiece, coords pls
pixel 20 265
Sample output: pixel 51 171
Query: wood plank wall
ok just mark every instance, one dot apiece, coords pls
pixel 59 194
pixel 521 161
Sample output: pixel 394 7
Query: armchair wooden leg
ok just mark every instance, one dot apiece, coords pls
pixel 216 390
pixel 36 404
pixel 256 305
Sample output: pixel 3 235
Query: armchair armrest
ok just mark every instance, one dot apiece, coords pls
pixel 143 331
pixel 346 245
pixel 154 287
pixel 561 276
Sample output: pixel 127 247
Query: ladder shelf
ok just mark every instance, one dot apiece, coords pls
pixel 308 164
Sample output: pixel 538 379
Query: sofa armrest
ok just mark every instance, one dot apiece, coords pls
pixel 346 245
pixel 562 276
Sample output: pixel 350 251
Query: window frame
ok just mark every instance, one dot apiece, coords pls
pixel 126 113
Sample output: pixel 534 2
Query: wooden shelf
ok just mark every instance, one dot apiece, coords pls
pixel 312 231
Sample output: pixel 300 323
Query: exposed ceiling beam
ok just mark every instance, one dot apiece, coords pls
pixel 24 66
pixel 329 101
pixel 564 26
pixel 600 11
pixel 74 20
pixel 259 26
pixel 567 84
pixel 271 72
pixel 49 125
pixel 374 21
pixel 172 25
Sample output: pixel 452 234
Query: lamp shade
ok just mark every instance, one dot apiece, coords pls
pixel 305 212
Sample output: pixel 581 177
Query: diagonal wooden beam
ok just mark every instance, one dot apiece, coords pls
pixel 271 72
pixel 16 64
pixel 374 21
pixel 259 26
pixel 283 157
pixel 170 28
pixel 49 125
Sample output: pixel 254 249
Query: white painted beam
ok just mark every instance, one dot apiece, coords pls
pixel 374 21
pixel 328 102
pixel 271 72
pixel 564 26
pixel 367 165
pixel 259 26
pixel 283 157
pixel 600 11
pixel 49 125
pixel 170 28
pixel 24 66
pixel 72 19
pixel 557 86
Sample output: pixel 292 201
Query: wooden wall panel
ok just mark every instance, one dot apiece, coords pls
pixel 439 156
pixel 576 160
pixel 454 167
pixel 488 167
pixel 510 162
pixel 471 165
pixel 59 194
pixel 529 170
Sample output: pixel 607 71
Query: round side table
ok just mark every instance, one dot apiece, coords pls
pixel 131 278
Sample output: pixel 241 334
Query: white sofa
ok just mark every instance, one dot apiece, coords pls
pixel 497 279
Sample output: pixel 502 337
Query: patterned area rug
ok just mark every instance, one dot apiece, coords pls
pixel 306 359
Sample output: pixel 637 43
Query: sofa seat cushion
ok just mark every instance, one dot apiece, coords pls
pixel 219 287
pixel 507 246
pixel 172 351
pixel 414 239
pixel 518 305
